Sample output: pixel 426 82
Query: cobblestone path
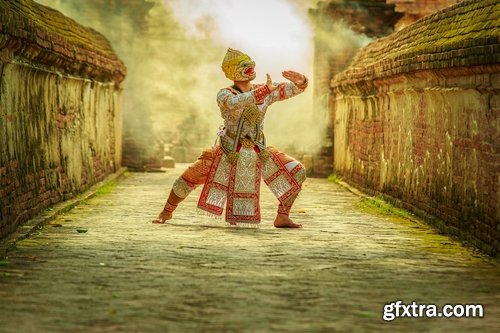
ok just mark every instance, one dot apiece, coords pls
pixel 194 275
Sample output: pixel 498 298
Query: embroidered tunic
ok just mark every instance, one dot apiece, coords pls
pixel 232 104
pixel 237 182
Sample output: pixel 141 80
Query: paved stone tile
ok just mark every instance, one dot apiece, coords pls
pixel 195 275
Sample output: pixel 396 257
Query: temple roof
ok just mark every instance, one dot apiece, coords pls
pixel 463 35
pixel 46 38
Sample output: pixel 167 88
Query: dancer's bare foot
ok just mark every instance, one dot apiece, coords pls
pixel 283 221
pixel 164 216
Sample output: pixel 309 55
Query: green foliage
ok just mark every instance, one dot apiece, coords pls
pixel 333 178
pixel 106 188
pixel 380 206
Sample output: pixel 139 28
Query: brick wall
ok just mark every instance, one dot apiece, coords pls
pixel 417 119
pixel 414 10
pixel 60 127
pixel 339 26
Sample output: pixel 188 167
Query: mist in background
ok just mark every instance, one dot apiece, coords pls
pixel 173 50
pixel 277 34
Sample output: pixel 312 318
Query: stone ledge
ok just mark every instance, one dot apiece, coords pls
pixel 31 226
pixel 429 218
pixel 466 34
pixel 42 36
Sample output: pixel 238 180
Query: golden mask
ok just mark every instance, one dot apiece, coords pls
pixel 238 66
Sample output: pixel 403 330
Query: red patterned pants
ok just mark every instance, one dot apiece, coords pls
pixel 196 174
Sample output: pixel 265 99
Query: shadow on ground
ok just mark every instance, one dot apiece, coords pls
pixel 125 274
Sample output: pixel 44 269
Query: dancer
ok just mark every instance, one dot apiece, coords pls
pixel 231 171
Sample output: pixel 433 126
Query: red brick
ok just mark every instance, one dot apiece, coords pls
pixel 5 181
pixel 12 165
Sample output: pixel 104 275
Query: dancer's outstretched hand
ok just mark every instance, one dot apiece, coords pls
pixel 297 78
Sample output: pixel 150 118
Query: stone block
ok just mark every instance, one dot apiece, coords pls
pixel 168 162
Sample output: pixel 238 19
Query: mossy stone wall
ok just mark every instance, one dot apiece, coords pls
pixel 417 119
pixel 60 118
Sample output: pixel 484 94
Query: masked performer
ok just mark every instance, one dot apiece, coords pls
pixel 231 172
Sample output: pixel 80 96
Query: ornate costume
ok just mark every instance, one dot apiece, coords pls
pixel 231 171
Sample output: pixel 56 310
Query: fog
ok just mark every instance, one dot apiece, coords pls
pixel 277 34
pixel 173 50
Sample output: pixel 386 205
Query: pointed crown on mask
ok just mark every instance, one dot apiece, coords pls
pixel 231 60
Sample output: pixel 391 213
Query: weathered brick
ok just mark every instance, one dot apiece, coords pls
pixel 12 166
pixel 32 46
pixel 50 45
pixel 441 162
pixel 5 181
pixel 483 49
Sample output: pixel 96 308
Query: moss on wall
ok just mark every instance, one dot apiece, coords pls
pixel 60 118
pixel 46 38
pixel 462 35
pixel 416 118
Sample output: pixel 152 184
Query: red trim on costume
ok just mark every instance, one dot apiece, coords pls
pixel 296 169
pixel 261 92
pixel 282 170
pixel 209 184
pixel 282 91
pixel 286 205
pixel 169 207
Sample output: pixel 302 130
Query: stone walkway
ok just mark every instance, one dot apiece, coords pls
pixel 194 275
